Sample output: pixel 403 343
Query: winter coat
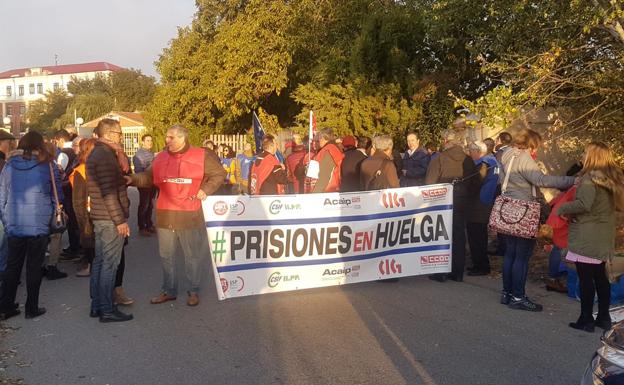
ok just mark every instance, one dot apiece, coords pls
pixel 481 205
pixel 525 174
pixel 453 164
pixel 378 172
pixel 80 201
pixel 26 196
pixel 592 228
pixel 142 159
pixel 350 170
pixel 415 167
pixel 106 186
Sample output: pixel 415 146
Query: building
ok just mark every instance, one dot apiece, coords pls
pixel 132 127
pixel 22 86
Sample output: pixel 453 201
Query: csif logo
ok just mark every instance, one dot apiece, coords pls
pixel 277 277
pixel 277 206
pixel 391 200
pixel 389 266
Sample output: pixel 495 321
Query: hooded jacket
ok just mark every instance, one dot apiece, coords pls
pixel 592 228
pixel 453 164
pixel 26 197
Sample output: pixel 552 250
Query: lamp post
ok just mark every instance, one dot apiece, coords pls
pixel 7 123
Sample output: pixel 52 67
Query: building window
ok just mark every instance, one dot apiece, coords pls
pixel 22 110
pixel 56 86
pixel 9 91
pixel 9 110
pixel 40 88
pixel 31 88
pixel 21 90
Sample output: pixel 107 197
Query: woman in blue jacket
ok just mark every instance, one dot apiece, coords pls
pixel 26 206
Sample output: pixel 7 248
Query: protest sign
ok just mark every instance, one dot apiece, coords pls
pixel 289 242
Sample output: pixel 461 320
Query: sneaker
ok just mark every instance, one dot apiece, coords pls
pixel 52 273
pixel 505 298
pixel 524 303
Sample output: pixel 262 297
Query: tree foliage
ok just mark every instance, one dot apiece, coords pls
pixel 124 90
pixel 367 67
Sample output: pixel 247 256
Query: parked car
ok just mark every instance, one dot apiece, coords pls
pixel 607 365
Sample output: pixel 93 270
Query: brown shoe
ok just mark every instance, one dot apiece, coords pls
pixel 162 298
pixel 86 272
pixel 120 297
pixel 556 285
pixel 193 299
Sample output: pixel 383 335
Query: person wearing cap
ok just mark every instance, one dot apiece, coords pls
pixel 415 162
pixel 7 144
pixel 354 154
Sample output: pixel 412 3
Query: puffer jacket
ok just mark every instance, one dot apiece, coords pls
pixel 592 229
pixel 106 186
pixel 26 197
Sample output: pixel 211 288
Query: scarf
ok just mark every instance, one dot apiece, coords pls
pixel 122 159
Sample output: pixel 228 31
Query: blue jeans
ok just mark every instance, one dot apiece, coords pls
pixel 516 264
pixel 194 243
pixel 108 247
pixel 554 263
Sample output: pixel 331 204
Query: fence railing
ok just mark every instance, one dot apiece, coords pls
pixel 236 141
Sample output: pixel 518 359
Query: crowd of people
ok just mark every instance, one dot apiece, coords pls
pixel 91 177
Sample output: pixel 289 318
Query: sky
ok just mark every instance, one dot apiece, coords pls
pixel 127 33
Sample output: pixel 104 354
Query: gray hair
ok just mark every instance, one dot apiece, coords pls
pixel 181 131
pixel 327 134
pixel 478 145
pixel 451 137
pixel 382 142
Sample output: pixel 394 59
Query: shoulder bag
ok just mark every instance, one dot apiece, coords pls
pixel 58 222
pixel 515 217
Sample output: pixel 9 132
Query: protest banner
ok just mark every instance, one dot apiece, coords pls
pixel 266 244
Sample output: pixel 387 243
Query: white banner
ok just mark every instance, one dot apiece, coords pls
pixel 290 242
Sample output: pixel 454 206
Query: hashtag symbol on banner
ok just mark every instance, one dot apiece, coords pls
pixel 219 246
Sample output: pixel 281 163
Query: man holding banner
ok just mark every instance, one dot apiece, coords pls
pixel 454 166
pixel 185 176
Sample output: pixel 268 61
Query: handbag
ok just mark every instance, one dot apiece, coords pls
pixel 515 217
pixel 58 222
pixel 615 268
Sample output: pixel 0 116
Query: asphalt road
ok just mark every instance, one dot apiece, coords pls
pixel 415 331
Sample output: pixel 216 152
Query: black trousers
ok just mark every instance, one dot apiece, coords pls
pixel 73 230
pixel 478 240
pixel 146 206
pixel 29 249
pixel 593 280
pixel 121 268
pixel 459 239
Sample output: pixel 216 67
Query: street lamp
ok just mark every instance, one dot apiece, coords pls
pixel 78 123
pixel 7 123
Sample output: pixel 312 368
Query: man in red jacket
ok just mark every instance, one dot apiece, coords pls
pixel 292 161
pixel 268 175
pixel 185 176
pixel 329 158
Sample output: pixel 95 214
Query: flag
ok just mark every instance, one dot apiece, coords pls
pixel 258 133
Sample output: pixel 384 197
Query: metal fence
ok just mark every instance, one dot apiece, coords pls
pixel 132 139
pixel 237 141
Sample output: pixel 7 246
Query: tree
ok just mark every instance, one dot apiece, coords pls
pixel 48 115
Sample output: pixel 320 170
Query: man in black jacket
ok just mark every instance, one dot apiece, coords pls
pixel 109 212
pixel 454 166
pixel 355 153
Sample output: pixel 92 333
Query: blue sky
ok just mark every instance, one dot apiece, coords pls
pixel 128 33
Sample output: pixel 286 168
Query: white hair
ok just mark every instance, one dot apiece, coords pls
pixel 478 145
pixel 382 142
